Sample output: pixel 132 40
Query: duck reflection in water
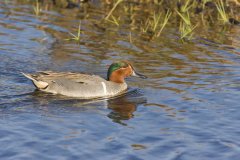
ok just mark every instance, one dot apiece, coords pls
pixel 121 107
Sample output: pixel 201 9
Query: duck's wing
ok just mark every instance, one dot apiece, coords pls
pixel 44 78
pixel 73 76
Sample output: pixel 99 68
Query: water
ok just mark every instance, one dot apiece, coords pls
pixel 188 108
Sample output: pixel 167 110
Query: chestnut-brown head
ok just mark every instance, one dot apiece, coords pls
pixel 118 71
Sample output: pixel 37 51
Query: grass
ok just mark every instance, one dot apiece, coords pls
pixel 76 37
pixel 186 28
pixel 186 6
pixel 156 19
pixel 151 20
pixel 37 9
pixel 114 20
pixel 165 21
pixel 185 17
pixel 145 26
pixel 156 23
pixel 221 11
pixel 114 7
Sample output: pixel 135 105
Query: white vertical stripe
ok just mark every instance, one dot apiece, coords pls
pixel 104 88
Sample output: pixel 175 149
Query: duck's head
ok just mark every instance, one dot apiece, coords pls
pixel 118 71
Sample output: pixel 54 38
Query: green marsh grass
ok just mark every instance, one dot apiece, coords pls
pixel 165 21
pixel 156 20
pixel 186 6
pixel 221 10
pixel 76 37
pixel 156 24
pixel 185 17
pixel 186 28
pixel 151 19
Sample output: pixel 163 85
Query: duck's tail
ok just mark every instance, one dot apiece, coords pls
pixel 38 83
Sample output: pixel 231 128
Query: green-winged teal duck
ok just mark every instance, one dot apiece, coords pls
pixel 83 85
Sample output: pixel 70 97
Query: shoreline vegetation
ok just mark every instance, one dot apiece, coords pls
pixel 152 17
